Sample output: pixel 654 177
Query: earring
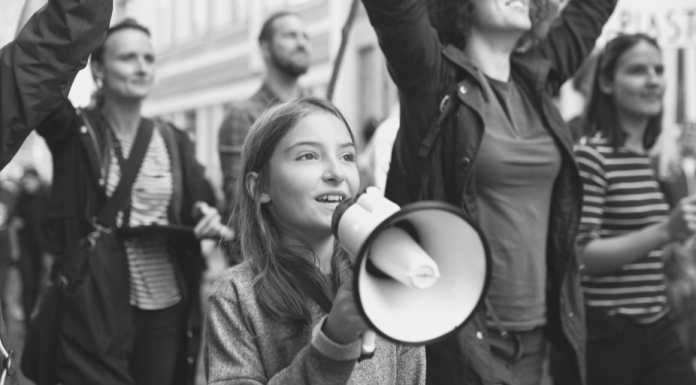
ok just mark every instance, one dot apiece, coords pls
pixel 99 82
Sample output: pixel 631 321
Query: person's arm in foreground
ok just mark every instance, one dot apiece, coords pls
pixel 37 69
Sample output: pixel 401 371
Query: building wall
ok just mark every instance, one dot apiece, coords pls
pixel 208 56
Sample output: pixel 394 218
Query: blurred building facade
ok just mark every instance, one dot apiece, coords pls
pixel 208 57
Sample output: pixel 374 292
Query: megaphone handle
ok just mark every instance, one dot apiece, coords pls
pixel 368 343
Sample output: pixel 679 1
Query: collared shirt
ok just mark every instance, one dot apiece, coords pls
pixel 234 130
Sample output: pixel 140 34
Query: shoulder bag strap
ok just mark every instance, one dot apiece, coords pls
pixel 72 269
pixel 107 215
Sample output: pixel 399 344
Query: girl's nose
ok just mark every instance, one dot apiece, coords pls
pixel 334 173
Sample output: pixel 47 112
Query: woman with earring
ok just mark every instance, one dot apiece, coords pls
pixel 479 130
pixel 631 338
pixel 161 321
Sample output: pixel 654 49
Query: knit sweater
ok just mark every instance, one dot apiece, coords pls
pixel 245 346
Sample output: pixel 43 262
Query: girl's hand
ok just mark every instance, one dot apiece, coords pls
pixel 209 224
pixel 344 324
pixel 682 221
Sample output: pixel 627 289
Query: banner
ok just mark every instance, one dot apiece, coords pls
pixel 672 22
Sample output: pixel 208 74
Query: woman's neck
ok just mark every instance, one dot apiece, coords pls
pixel 491 54
pixel 634 127
pixel 123 117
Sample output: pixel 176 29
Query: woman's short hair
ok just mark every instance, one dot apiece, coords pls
pixel 128 23
pixel 600 113
pixel 452 19
pixel 98 54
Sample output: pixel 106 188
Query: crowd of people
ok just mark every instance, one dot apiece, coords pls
pixel 589 232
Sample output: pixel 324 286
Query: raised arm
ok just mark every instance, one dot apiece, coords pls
pixel 408 41
pixel 37 69
pixel 571 40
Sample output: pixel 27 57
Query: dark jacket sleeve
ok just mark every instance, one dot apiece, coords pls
pixel 408 41
pixel 196 187
pixel 573 37
pixel 37 69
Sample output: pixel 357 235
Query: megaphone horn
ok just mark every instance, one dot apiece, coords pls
pixel 420 271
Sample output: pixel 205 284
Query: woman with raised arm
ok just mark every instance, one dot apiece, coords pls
pixel 631 338
pixel 144 281
pixel 480 131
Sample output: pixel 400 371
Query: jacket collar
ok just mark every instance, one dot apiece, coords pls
pixel 459 58
pixel 532 66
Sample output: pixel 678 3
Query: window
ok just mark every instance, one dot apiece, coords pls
pixel 183 20
pixel 163 24
pixel 225 13
pixel 200 16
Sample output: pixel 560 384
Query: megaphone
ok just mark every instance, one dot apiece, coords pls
pixel 420 271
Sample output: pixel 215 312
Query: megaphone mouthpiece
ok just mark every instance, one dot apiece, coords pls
pixel 396 254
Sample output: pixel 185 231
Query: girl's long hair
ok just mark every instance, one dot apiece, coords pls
pixel 600 114
pixel 278 268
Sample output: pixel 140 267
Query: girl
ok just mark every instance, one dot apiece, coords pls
pixel 626 222
pixel 298 163
pixel 161 274
pixel 479 130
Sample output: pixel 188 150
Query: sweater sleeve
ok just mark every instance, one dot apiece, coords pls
pixel 37 69
pixel 410 367
pixel 591 165
pixel 232 355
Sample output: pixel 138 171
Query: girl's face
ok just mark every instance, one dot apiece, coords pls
pixel 639 83
pixel 312 169
pixel 496 16
pixel 129 65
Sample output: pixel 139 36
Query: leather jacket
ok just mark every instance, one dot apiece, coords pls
pixel 442 125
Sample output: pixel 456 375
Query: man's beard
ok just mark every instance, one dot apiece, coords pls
pixel 288 66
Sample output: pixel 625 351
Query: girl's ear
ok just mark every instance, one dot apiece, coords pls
pixel 605 85
pixel 252 183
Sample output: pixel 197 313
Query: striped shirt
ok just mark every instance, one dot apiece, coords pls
pixel 622 196
pixel 153 281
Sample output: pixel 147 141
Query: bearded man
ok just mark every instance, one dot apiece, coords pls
pixel 286 49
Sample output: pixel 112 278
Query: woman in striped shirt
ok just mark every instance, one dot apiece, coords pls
pixel 162 273
pixel 625 223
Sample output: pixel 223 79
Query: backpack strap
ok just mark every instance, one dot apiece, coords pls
pixel 90 142
pixel 72 269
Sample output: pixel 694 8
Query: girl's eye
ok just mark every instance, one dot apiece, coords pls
pixel 307 156
pixel 349 157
